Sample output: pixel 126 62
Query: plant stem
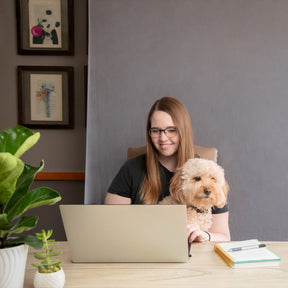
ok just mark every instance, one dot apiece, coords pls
pixel 3 242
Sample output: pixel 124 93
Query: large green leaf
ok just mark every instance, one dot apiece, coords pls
pixel 34 198
pixel 17 140
pixel 4 224
pixel 30 240
pixel 26 223
pixel 15 181
pixel 23 184
pixel 11 168
pixel 29 142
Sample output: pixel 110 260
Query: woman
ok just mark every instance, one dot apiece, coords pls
pixel 145 179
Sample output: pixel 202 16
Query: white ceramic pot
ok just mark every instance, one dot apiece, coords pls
pixel 49 280
pixel 12 266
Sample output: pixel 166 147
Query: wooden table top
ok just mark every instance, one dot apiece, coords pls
pixel 205 269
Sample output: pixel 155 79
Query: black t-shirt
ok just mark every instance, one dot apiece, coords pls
pixel 128 181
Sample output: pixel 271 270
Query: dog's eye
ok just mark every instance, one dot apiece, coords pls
pixel 197 178
pixel 212 178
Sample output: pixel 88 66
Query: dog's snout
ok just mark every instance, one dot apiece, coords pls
pixel 207 192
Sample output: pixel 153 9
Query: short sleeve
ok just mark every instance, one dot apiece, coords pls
pixel 128 180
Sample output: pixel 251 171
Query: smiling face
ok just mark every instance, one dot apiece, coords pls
pixel 166 147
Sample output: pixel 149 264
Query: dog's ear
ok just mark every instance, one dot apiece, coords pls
pixel 176 187
pixel 223 198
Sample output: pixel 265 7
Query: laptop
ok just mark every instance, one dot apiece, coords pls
pixel 126 233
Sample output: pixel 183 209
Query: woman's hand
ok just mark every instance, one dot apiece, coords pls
pixel 196 235
pixel 219 231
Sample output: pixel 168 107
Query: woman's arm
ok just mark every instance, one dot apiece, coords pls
pixel 116 199
pixel 219 230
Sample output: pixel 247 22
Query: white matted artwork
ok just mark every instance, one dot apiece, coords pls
pixel 45 24
pixel 46 97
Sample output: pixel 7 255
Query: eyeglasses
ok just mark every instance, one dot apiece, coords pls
pixel 170 132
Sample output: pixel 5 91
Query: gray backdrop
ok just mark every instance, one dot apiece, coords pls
pixel 227 61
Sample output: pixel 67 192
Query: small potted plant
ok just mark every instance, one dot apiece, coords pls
pixel 49 273
pixel 16 198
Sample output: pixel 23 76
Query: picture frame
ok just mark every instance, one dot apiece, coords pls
pixel 45 27
pixel 46 97
pixel 86 91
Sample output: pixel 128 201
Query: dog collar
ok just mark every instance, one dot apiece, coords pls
pixel 201 211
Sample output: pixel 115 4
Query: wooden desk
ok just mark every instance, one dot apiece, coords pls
pixel 204 269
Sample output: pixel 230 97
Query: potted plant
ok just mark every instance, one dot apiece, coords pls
pixel 16 198
pixel 49 273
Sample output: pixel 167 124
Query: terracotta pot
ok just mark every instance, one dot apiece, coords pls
pixel 49 280
pixel 12 266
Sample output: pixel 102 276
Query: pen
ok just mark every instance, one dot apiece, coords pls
pixel 246 247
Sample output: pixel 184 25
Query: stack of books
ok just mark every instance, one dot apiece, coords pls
pixel 246 254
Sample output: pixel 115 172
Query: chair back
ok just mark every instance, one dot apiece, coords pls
pixel 210 153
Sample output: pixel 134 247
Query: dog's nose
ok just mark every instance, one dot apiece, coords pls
pixel 207 192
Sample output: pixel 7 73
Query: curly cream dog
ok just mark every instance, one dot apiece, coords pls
pixel 199 184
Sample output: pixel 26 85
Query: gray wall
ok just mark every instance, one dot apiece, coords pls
pixel 227 61
pixel 63 150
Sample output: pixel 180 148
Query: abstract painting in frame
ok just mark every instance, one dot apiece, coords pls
pixel 45 96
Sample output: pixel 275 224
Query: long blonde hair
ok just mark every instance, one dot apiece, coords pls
pixel 151 186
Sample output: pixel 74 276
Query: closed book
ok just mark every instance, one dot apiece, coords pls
pixel 246 254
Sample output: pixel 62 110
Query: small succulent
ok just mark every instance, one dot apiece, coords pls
pixel 49 263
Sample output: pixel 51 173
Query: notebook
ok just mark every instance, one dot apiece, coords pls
pixel 247 254
pixel 126 233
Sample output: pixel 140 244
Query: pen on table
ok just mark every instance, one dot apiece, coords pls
pixel 246 247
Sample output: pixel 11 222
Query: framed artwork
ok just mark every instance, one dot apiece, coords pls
pixel 45 96
pixel 45 27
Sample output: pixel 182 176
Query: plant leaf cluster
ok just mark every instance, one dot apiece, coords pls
pixel 16 198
